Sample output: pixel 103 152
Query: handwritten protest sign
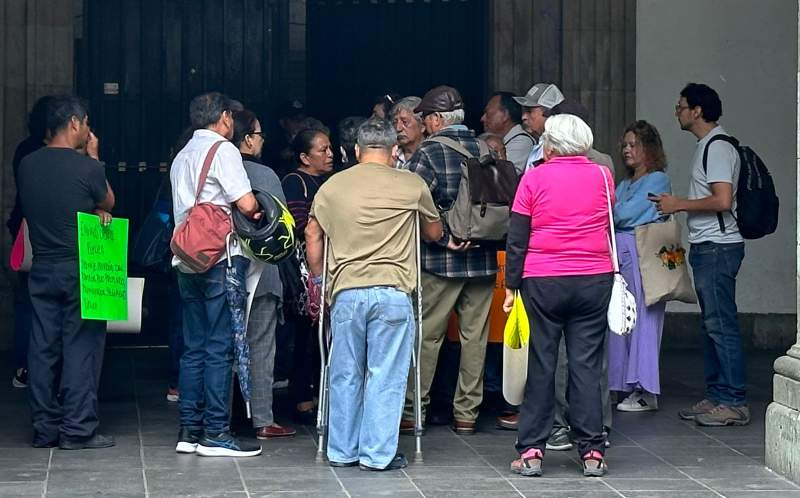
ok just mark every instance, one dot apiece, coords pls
pixel 103 257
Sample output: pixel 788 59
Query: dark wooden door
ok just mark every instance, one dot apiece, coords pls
pixel 358 50
pixel 140 62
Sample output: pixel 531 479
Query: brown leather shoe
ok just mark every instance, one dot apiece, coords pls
pixel 274 431
pixel 508 421
pixel 464 428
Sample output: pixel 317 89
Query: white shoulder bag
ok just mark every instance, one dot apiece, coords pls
pixel 622 307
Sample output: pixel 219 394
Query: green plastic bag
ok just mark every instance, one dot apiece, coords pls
pixel 517 331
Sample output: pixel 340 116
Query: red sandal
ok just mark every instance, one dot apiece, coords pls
pixel 594 464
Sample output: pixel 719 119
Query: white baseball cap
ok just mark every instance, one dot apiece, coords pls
pixel 541 95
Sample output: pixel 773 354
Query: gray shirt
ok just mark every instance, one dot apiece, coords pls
pixel 518 147
pixel 723 166
pixel 263 179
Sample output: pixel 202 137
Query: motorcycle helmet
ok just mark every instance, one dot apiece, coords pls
pixel 271 237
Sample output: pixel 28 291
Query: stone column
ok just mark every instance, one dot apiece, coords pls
pixel 783 414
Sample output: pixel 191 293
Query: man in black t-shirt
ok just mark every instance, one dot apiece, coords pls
pixel 66 353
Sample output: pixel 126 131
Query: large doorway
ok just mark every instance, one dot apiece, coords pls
pixel 139 63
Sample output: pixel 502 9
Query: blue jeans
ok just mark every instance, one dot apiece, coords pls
pixel 715 267
pixel 373 333
pixel 207 360
pixel 175 328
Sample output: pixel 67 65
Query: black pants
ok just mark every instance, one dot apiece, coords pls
pixel 65 355
pixel 575 306
pixel 306 357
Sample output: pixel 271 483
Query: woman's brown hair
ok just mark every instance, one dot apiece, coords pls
pixel 655 158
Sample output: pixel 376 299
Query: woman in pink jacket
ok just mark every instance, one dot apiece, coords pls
pixel 558 256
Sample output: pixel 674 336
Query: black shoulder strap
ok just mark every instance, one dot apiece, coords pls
pixel 724 138
pixel 521 134
pixel 735 143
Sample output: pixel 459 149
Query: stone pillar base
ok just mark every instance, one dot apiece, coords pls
pixel 783 418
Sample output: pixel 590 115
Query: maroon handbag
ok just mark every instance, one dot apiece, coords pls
pixel 200 241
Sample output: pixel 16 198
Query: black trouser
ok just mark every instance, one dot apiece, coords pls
pixel 65 355
pixel 575 306
pixel 306 359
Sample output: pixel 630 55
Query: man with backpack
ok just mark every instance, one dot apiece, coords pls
pixel 457 274
pixel 717 250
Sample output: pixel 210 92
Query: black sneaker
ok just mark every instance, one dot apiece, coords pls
pixel 95 442
pixel 559 440
pixel 398 462
pixel 224 444
pixel 187 440
pixel 20 379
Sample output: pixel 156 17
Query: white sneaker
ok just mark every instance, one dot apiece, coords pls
pixel 639 401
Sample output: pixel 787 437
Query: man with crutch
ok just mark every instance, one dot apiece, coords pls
pixel 368 214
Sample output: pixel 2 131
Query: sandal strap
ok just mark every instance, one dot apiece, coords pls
pixel 593 455
pixel 531 454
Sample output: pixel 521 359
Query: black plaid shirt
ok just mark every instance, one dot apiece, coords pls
pixel 440 167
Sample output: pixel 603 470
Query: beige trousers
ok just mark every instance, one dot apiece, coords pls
pixel 471 299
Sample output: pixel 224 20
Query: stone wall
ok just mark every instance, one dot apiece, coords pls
pixel 36 59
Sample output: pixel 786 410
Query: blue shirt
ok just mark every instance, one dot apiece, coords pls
pixel 632 207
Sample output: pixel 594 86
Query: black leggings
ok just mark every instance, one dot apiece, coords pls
pixel 306 368
pixel 575 306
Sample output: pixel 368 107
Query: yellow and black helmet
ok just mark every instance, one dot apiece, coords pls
pixel 270 238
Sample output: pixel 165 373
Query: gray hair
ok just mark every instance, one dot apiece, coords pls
pixel 452 117
pixel 206 109
pixel 407 104
pixel 376 133
pixel 567 135
pixel 348 130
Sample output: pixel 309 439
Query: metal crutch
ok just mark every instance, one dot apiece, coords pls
pixel 417 350
pixel 324 338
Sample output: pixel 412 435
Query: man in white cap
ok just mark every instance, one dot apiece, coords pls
pixel 537 105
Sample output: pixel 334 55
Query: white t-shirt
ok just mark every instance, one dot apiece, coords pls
pixel 226 183
pixel 723 166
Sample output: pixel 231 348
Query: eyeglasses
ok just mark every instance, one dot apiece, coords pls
pixel 259 133
pixel 680 108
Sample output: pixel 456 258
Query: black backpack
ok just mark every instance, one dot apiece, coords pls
pixel 756 202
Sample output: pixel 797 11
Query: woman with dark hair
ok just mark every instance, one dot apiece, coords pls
pixel 248 137
pixel 633 359
pixel 314 157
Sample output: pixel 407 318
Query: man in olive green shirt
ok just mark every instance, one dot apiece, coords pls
pixel 368 213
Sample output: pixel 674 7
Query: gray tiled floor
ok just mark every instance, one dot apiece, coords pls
pixel 652 454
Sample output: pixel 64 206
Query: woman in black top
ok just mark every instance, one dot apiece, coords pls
pixel 314 156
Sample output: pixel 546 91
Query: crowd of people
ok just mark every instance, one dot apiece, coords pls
pixel 359 205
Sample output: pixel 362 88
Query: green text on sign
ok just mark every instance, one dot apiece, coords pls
pixel 103 257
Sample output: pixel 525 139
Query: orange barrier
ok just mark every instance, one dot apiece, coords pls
pixel 497 318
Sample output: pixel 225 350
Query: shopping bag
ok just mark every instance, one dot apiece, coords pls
pixel 21 256
pixel 516 340
pixel 517 331
pixel 662 263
